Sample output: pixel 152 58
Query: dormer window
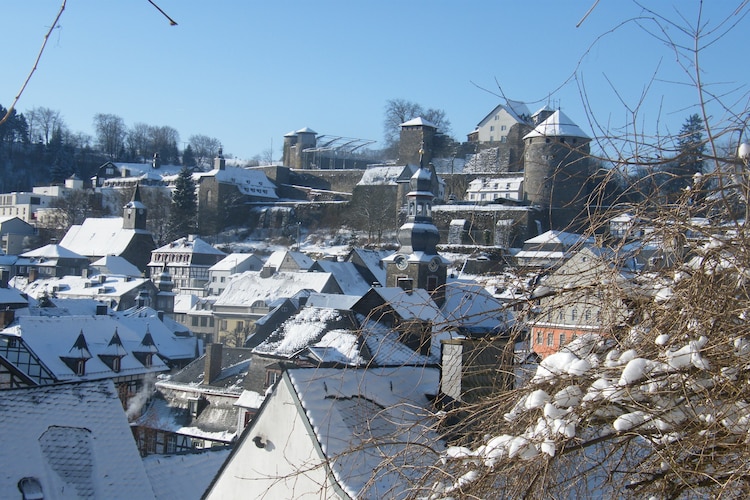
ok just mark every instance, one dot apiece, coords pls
pixel 77 356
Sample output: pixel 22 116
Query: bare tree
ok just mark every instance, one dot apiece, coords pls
pixel 43 122
pixel 205 148
pixel 139 141
pixel 110 133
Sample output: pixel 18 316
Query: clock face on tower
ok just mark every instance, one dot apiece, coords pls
pixel 401 262
pixel 434 264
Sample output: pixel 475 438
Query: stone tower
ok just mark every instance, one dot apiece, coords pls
pixel 134 212
pixel 294 144
pixel 416 142
pixel 417 263
pixel 556 168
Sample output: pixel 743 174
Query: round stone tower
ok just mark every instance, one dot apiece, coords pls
pixel 556 164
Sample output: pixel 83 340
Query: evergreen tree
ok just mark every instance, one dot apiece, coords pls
pixel 691 145
pixel 188 157
pixel 182 216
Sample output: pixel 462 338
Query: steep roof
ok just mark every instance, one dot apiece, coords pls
pixel 350 409
pixel 302 330
pixel 73 440
pixel 470 308
pixel 558 124
pixel 52 339
pixel 183 476
pixel 347 276
pixel 97 237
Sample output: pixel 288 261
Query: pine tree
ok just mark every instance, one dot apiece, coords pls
pixel 691 146
pixel 182 216
pixel 188 157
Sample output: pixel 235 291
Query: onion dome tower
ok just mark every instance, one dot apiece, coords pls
pixel 417 263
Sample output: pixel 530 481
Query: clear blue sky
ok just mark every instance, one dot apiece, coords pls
pixel 248 72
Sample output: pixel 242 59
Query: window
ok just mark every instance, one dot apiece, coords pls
pixel 204 321
pixel 223 324
pixel 550 339
pixel 562 339
pixel 539 338
pixel 194 321
pixel 81 367
pixel 573 314
pixel 271 377
pixel 171 443
pixel 116 364
pixel 503 127
pixel 587 314
pixel 492 128
pixel 223 278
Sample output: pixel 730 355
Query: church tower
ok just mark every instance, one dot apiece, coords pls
pixel 417 263
pixel 134 212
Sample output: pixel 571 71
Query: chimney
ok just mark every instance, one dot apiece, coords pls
pixel 7 317
pixel 213 363
pixel 471 369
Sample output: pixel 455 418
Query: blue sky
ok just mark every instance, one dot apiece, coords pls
pixel 248 72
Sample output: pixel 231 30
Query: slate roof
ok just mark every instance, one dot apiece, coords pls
pixel 302 330
pixel 184 476
pixel 471 309
pixel 74 439
pixel 53 338
pixel 349 279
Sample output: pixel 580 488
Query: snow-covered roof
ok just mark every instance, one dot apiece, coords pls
pixel 300 331
pixel 102 287
pixel 372 260
pixel 276 259
pixel 385 175
pixel 337 346
pixel 97 237
pixel 114 264
pixel 183 476
pixel 332 300
pixel 469 306
pixel 73 440
pixel 418 121
pixel 414 304
pixel 191 245
pixel 563 238
pixel 53 338
pixel 234 261
pixel 558 124
pixel 246 288
pixel 350 409
pixel 52 251
pixel 350 281
pixel 249 182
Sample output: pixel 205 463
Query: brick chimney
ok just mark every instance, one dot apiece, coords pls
pixel 213 363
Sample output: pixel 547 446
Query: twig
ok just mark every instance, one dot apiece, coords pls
pixel 36 63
